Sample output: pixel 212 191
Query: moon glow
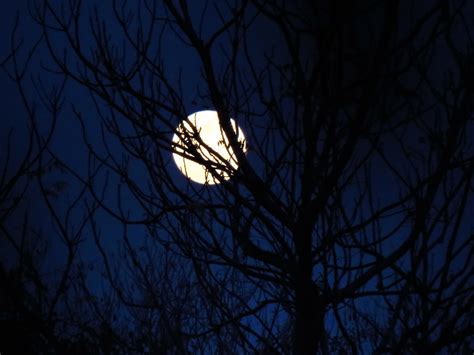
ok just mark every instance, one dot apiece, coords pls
pixel 211 144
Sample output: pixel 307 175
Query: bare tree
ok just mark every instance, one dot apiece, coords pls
pixel 32 228
pixel 345 226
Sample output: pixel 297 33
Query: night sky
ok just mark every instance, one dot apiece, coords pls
pixel 79 125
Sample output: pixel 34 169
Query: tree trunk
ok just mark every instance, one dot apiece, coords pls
pixel 309 322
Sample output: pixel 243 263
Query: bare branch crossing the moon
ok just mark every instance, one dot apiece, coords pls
pixel 201 131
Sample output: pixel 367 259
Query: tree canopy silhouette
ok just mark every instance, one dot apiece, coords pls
pixel 344 227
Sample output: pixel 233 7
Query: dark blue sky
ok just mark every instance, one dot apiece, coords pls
pixel 68 145
pixel 67 140
pixel 12 108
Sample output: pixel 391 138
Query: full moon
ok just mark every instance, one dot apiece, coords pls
pixel 213 146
